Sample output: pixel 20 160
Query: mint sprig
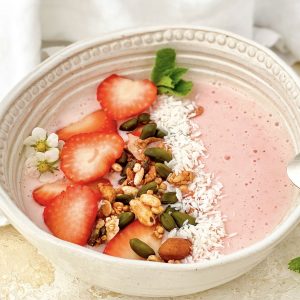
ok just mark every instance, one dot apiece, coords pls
pixel 167 76
pixel 294 264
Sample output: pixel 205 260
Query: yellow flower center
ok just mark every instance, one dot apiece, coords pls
pixel 44 166
pixel 41 146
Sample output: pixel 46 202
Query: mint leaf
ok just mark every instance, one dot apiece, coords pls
pixel 177 73
pixel 181 89
pixel 166 81
pixel 165 60
pixel 294 264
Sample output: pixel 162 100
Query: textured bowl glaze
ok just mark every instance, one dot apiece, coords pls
pixel 208 53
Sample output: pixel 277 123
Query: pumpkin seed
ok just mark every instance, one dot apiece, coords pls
pixel 169 210
pixel 167 221
pixel 163 170
pixel 148 186
pixel 143 118
pixel 125 219
pixel 124 198
pixel 158 154
pixel 169 198
pixel 181 217
pixel 123 159
pixel 129 125
pixel 160 133
pixel 148 131
pixel 141 248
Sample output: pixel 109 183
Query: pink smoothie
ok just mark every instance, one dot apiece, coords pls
pixel 248 149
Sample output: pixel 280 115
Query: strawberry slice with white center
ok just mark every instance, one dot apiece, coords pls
pixel 119 246
pixel 71 215
pixel 122 98
pixel 97 121
pixel 88 156
pixel 44 194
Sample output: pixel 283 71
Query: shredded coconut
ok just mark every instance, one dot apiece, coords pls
pixel 184 138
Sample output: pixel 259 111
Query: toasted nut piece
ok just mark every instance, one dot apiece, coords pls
pixel 154 258
pixel 129 175
pixel 199 111
pixel 163 186
pixel 138 177
pixel 175 249
pixel 169 198
pixel 151 175
pixel 107 191
pixel 158 154
pixel 112 227
pixel 181 217
pixel 142 212
pixel 159 232
pixel 149 186
pixel 130 190
pixel 117 167
pixel 105 208
pixel 157 210
pixel 158 180
pixel 185 177
pixel 118 207
pixel 150 200
pixel 126 208
pixel 136 167
pixel 125 219
pixel 141 248
pixel 150 192
pixel 167 221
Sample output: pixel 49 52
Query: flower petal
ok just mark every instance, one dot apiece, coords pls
pixel 31 162
pixel 41 156
pixel 47 177
pixel 39 133
pixel 52 140
pixel 29 141
pixel 29 151
pixel 52 155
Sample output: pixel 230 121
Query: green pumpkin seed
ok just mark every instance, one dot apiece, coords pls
pixel 129 125
pixel 169 198
pixel 148 131
pixel 124 198
pixel 167 221
pixel 125 219
pixel 143 118
pixel 158 154
pixel 181 217
pixel 169 210
pixel 163 170
pixel 123 159
pixel 148 186
pixel 141 248
pixel 160 133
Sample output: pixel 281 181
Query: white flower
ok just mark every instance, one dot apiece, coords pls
pixel 40 141
pixel 44 165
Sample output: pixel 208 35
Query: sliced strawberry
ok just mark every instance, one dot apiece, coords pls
pixel 137 132
pixel 97 121
pixel 88 156
pixel 122 98
pixel 71 215
pixel 94 186
pixel 119 245
pixel 47 192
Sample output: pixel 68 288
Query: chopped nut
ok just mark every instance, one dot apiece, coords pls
pixel 142 212
pixel 134 148
pixel 184 189
pixel 107 191
pixel 163 186
pixel 185 177
pixel 117 167
pixel 136 167
pixel 130 176
pixel 126 208
pixel 138 177
pixel 199 111
pixel 150 192
pixel 118 207
pixel 150 200
pixel 157 210
pixel 103 238
pixel 154 258
pixel 158 180
pixel 175 249
pixel 151 175
pixel 159 232
pixel 130 190
pixel 112 227
pixel 105 208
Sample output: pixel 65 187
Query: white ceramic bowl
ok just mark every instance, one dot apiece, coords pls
pixel 78 69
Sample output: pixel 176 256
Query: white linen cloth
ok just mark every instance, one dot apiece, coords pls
pixel 25 23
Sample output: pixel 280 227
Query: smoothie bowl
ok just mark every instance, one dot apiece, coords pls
pixel 153 162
